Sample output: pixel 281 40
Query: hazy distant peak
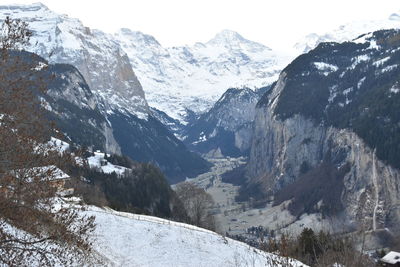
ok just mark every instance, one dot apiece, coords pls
pixel 233 40
pixel 227 36
pixel 32 7
pixel 138 36
pixel 39 5
pixel 347 32
pixel 395 16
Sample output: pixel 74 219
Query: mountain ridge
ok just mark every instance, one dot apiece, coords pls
pixel 126 125
pixel 192 77
pixel 347 32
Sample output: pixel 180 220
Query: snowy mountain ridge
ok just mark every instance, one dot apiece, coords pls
pixel 174 79
pixel 193 77
pixel 104 65
pixel 347 32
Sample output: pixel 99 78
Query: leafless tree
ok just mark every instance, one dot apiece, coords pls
pixel 36 228
pixel 197 203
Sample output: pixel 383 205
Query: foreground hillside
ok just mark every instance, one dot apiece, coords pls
pixel 125 239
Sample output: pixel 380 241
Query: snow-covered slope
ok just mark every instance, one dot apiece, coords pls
pixel 347 32
pixel 125 239
pixel 98 161
pixel 194 77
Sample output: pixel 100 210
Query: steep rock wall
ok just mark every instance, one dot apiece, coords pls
pixel 280 148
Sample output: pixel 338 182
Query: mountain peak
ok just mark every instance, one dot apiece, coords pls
pixel 39 5
pixel 227 36
pixel 138 36
pixel 30 7
pixel 348 32
pixel 395 16
pixel 233 40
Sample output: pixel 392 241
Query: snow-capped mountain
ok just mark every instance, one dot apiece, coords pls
pixel 347 32
pixel 194 77
pixel 102 62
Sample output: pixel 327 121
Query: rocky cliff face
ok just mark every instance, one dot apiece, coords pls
pixel 336 105
pixel 101 61
pixel 67 100
pixel 227 127
pixel 281 148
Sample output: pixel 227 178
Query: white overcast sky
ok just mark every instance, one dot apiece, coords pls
pixel 275 23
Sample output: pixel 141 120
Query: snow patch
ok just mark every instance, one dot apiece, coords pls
pixel 58 144
pixel 359 59
pixel 395 89
pixel 380 62
pixel 325 67
pixel 360 82
pixel 202 138
pixel 98 161
pixel 40 66
pixel 389 68
pixel 347 91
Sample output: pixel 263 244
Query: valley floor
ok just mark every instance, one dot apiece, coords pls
pixel 236 217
